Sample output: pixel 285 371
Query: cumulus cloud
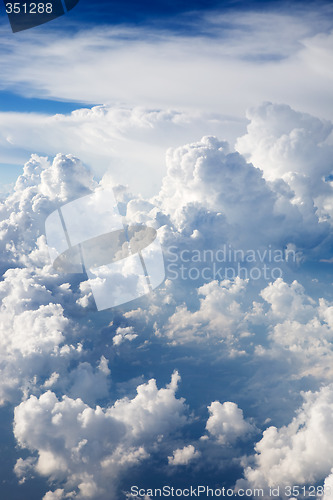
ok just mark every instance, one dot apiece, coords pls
pixel 206 174
pixel 295 147
pixel 218 316
pixel 85 447
pixel 119 139
pixel 226 422
pixel 123 334
pixel 296 327
pixel 215 196
pixel 36 333
pixel 281 140
pixel 288 301
pixel 40 189
pixel 328 487
pixel 183 456
pixel 298 453
pixel 54 495
pixel 33 329
pixel 299 327
pixel 67 352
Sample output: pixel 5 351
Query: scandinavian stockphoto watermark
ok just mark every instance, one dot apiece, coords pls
pixel 122 261
pixel 125 261
pixel 227 262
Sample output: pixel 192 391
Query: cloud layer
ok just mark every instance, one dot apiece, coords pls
pixel 93 404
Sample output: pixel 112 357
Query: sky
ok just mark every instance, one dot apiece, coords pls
pixel 166 251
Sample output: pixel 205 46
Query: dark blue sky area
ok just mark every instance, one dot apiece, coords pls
pixel 166 13
pixel 115 11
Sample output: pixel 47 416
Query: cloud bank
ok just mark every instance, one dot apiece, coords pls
pixel 93 404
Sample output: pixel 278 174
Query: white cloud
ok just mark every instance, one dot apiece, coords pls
pixel 36 333
pixel 32 329
pixel 280 140
pixel 89 384
pixel 87 448
pixel 216 197
pixel 218 318
pixel 120 139
pixel 247 57
pixel 299 453
pixel 226 422
pixel 123 334
pixel 206 173
pixel 295 147
pixel 252 56
pixel 183 456
pixel 54 495
pixel 42 186
pixel 210 197
pixel 300 328
pixel 288 301
pixel 328 487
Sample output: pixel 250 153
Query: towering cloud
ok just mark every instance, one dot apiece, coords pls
pixel 88 407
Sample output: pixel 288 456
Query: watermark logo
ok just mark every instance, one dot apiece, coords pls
pixel 228 263
pixel 88 235
pixel 24 15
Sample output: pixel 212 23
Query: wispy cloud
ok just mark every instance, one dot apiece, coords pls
pixel 242 58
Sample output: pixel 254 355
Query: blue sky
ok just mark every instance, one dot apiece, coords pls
pixel 212 121
pixel 164 12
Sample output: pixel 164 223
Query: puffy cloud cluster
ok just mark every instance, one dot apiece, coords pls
pixel 32 330
pixel 210 197
pixel 295 326
pixel 85 448
pixel 296 148
pixel 215 196
pixel 218 317
pixel 123 334
pixel 119 139
pixel 298 453
pixel 36 331
pixel 300 328
pixel 37 192
pixel 280 140
pixel 206 176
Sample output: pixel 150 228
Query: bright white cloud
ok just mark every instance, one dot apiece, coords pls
pixel 295 147
pixel 123 334
pixel 288 301
pixel 183 456
pixel 120 139
pixel 280 140
pixel 217 318
pixel 328 485
pixel 36 334
pixel 298 453
pixel 299 327
pixel 88 447
pixel 216 197
pixel 226 422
